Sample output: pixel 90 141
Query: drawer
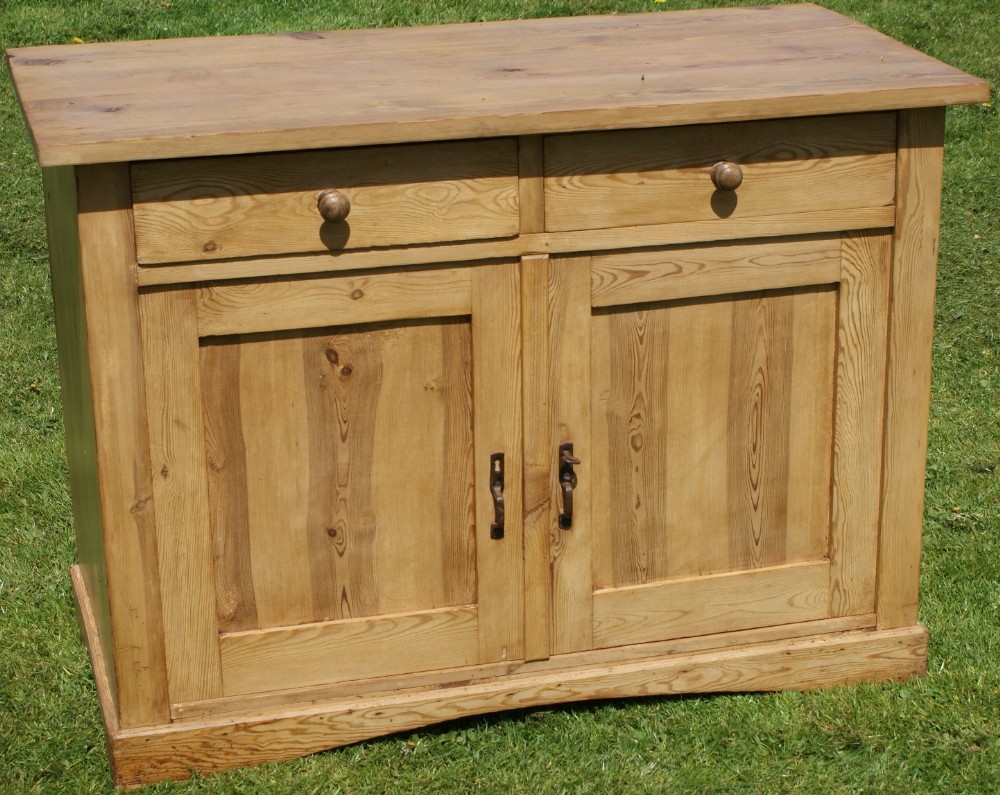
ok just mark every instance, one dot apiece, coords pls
pixel 624 178
pixel 244 206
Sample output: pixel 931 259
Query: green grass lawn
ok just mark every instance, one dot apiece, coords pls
pixel 940 733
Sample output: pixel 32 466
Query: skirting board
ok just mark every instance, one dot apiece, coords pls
pixel 174 751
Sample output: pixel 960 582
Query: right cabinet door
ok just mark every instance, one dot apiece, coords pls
pixel 728 431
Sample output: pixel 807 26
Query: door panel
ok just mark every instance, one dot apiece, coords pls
pixel 356 470
pixel 345 505
pixel 719 433
pixel 694 404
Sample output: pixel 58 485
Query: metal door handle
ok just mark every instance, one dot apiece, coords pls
pixel 496 489
pixel 567 482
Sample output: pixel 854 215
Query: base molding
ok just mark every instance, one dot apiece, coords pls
pixel 173 751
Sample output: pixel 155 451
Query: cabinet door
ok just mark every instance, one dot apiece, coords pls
pixel 725 403
pixel 322 454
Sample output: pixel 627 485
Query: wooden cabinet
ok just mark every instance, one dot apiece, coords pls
pixel 562 378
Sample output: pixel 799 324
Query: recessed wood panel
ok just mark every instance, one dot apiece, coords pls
pixel 340 468
pixel 695 403
pixel 721 603
pixel 339 651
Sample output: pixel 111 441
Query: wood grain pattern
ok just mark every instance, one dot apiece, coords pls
pixel 256 703
pixel 818 661
pixel 496 406
pixel 633 177
pixel 759 445
pixel 571 551
pixel 225 454
pixel 87 613
pixel 336 651
pixel 354 298
pixel 346 475
pixel 663 274
pixel 266 204
pixel 538 453
pixel 857 440
pixel 911 328
pixel 503 78
pixel 531 183
pixel 692 433
pixel 180 491
pixel 122 450
pixel 716 603
pixel 629 237
pixel 77 403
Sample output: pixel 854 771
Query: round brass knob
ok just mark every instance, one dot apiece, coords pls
pixel 333 205
pixel 726 175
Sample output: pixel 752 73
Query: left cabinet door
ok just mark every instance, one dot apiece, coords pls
pixel 321 455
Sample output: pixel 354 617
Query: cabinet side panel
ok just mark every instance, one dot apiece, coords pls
pixel 78 407
pixel 107 266
pixel 911 327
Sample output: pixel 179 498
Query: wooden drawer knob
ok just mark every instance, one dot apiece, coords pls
pixel 333 205
pixel 726 175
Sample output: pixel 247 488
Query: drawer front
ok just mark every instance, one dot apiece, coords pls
pixel 664 175
pixel 219 208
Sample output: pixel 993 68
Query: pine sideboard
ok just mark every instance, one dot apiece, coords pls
pixel 418 373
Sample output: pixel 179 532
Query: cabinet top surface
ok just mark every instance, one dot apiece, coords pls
pixel 142 100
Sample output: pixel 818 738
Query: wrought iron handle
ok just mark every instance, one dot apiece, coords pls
pixel 496 489
pixel 567 482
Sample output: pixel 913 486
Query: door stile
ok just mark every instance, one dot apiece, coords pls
pixel 496 352
pixel 571 555
pixel 537 455
pixel 180 490
pixel 858 413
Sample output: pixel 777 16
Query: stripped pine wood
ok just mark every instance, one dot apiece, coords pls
pixel 715 603
pixel 816 662
pixel 329 521
pixel 496 406
pixel 604 179
pixel 266 204
pixel 355 298
pixel 630 433
pixel 256 703
pixel 758 440
pixel 571 551
pixel 285 432
pixel 87 612
pixel 225 454
pixel 122 450
pixel 857 439
pixel 531 183
pixel 524 77
pixel 623 277
pixel 78 403
pixel 538 454
pixel 698 353
pixel 911 328
pixel 781 224
pixel 810 422
pixel 180 488
pixel 693 436
pixel 255 662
